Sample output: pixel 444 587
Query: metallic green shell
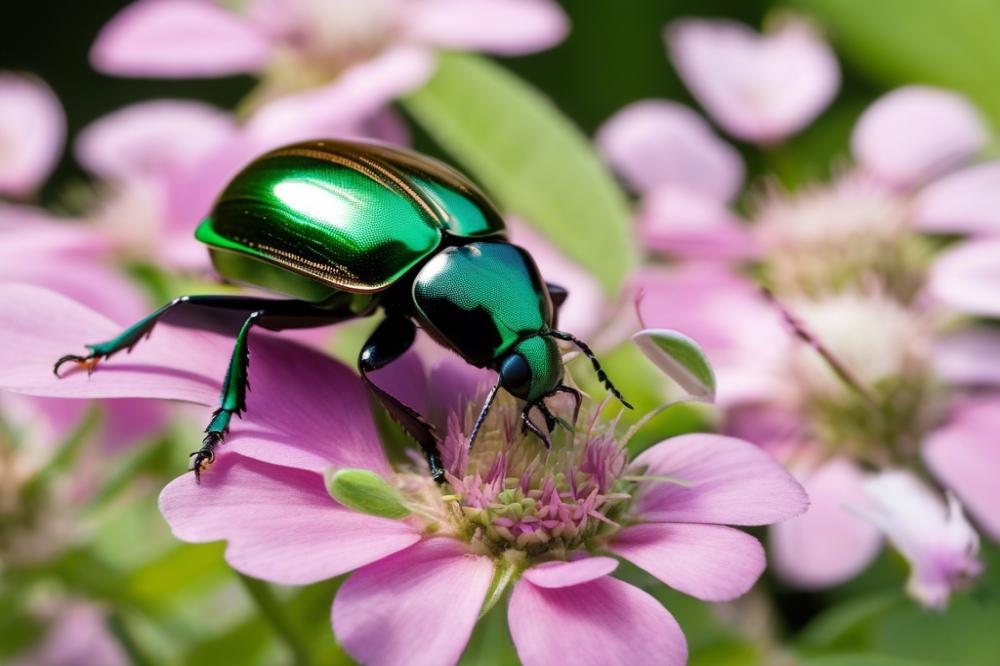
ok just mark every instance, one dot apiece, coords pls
pixel 482 298
pixel 350 216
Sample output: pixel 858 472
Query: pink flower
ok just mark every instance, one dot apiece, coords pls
pixel 938 541
pixel 32 130
pixel 758 88
pixel 851 263
pixel 350 58
pixel 512 515
pixel 78 636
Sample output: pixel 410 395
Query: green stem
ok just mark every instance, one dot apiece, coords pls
pixel 120 630
pixel 272 610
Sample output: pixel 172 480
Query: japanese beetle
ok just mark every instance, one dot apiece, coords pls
pixel 346 229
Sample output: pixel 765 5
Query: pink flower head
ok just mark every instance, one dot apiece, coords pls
pixel 316 45
pixel 32 130
pixel 758 88
pixel 546 524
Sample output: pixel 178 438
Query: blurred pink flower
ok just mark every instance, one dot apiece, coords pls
pixel 514 514
pixel 760 88
pixel 78 636
pixel 32 131
pixel 850 261
pixel 937 540
pixel 349 58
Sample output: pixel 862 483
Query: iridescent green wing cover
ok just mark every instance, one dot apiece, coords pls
pixel 352 216
pixel 481 298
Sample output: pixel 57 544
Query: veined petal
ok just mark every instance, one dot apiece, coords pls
pixel 417 607
pixel 280 523
pixel 828 544
pixel 604 622
pixel 965 202
pixel 711 562
pixel 726 481
pixel 761 88
pixel 32 130
pixel 505 27
pixel 178 39
pixel 967 277
pixel 965 454
pixel 684 223
pixel 150 138
pixel 913 134
pixel 654 143
pixel 566 574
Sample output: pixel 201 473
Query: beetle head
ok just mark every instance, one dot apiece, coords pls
pixel 531 369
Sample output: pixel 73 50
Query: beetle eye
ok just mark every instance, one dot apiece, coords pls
pixel 515 375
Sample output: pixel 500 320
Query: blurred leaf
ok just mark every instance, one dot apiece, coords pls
pixel 728 651
pixel 185 565
pixel 848 624
pixel 681 359
pixel 531 158
pixel 952 44
pixel 864 659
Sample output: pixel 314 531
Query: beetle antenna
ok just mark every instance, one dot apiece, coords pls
pixel 589 353
pixel 482 413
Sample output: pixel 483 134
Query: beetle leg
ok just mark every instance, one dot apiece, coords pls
pixel 528 424
pixel 392 339
pixel 577 399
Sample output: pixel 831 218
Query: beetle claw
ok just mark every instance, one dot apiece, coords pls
pixel 205 456
pixel 88 363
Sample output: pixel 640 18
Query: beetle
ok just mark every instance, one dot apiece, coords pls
pixel 345 229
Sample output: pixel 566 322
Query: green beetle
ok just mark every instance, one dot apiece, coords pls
pixel 346 229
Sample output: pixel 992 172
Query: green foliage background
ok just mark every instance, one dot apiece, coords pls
pixel 179 603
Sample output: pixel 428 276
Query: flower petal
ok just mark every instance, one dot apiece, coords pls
pixel 915 133
pixel 566 574
pixel 965 456
pixel 342 107
pixel 32 131
pixel 965 202
pixel 678 221
pixel 967 277
pixel 79 636
pixel 761 88
pixel 149 138
pixel 727 481
pixel 970 356
pixel 603 622
pixel 655 143
pixel 711 562
pixel 828 544
pixel 428 596
pixel 280 523
pixel 178 39
pixel 505 27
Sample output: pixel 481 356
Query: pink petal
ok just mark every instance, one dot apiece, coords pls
pixel 967 277
pixel 726 481
pixel 966 202
pixel 566 574
pixel 828 544
pixel 605 622
pixel 505 27
pixel 711 562
pixel 27 230
pixel 965 456
pixel 305 409
pixel 678 221
pixel 178 39
pixel 702 301
pixel 971 356
pixel 340 108
pixel 761 88
pixel 416 607
pixel 32 131
pixel 915 133
pixel 655 143
pixel 586 307
pixel 280 523
pixel 79 636
pixel 151 138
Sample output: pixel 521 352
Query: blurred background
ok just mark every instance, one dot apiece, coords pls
pixel 178 603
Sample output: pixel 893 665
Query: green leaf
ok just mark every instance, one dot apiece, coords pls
pixel 530 158
pixel 365 491
pixel 681 359
pixel 952 44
